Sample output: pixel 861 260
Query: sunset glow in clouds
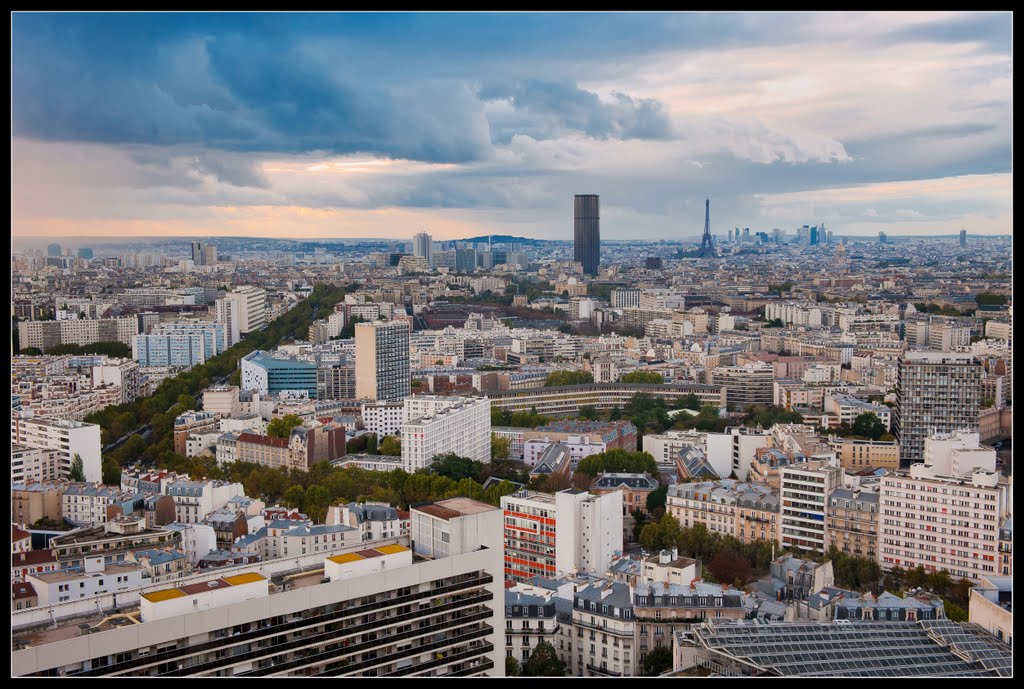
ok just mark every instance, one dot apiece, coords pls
pixel 366 125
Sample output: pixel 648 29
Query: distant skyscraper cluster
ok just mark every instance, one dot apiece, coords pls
pixel 587 232
pixel 204 254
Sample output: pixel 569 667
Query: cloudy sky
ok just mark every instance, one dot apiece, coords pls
pixel 384 125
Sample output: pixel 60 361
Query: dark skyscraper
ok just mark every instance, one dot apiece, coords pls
pixel 963 237
pixel 53 250
pixel 587 232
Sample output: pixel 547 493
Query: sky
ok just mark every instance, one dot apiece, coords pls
pixel 384 125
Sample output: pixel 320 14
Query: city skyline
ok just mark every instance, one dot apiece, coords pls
pixel 346 126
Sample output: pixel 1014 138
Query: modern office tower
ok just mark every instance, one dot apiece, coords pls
pixel 53 250
pixel 209 254
pixel 804 490
pixel 745 385
pixel 554 535
pixel 197 254
pixel 373 609
pixel 461 425
pixel 382 361
pixel 945 513
pixel 423 246
pixel 936 392
pixel 228 313
pixel 269 375
pixel 465 260
pixel 622 298
pixel 882 237
pixel 587 232
pixel 67 437
pixel 85 253
pixel 814 235
pixel 963 237
pixel 252 308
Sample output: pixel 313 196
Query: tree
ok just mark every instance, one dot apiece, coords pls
pixel 638 523
pixel 615 414
pixel 294 497
pixel 954 612
pixel 391 446
pixel 77 472
pixel 371 444
pixel 512 667
pixel 618 460
pixel 729 567
pixel 642 377
pixel 658 660
pixel 111 472
pixel 499 448
pixel 868 425
pixel 589 413
pixel 281 427
pixel 317 501
pixel 455 467
pixel 544 662
pixel 568 378
pixel 656 499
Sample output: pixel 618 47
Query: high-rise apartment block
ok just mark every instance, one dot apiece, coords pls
pixel 68 437
pixel 946 512
pixel 369 610
pixel 382 360
pixel 251 309
pixel 936 392
pixel 587 232
pixel 423 247
pixel 461 425
pixel 554 535
pixel 229 313
pixel 804 491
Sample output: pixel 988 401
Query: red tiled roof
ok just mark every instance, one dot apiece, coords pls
pixel 262 440
pixel 369 553
pixel 439 512
pixel 22 590
pixel 17 534
pixel 33 557
pixel 192 589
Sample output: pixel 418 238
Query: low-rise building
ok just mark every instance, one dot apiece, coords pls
pixel 529 620
pixel 745 511
pixel 991 607
pixel 854 453
pixel 635 489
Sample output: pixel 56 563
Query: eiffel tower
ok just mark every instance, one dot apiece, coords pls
pixel 707 244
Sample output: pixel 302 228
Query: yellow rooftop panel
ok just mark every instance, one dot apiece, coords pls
pixel 246 578
pixel 347 557
pixel 166 594
pixel 391 549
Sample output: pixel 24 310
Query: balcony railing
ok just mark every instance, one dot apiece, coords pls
pixel 602 671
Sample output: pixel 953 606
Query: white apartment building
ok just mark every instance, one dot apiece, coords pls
pixel 463 428
pixel 228 313
pixel 382 361
pixel 96 579
pixel 383 418
pixel 794 313
pixel 222 400
pixel 438 616
pixel 579 447
pixel 847 409
pixel 197 540
pixel 803 493
pixel 85 504
pixel 625 298
pixel 945 513
pixel 33 464
pixel 252 308
pixel 123 373
pixel 554 535
pixel 194 500
pixel 66 436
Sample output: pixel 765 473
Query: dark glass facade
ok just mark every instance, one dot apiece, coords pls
pixel 587 232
